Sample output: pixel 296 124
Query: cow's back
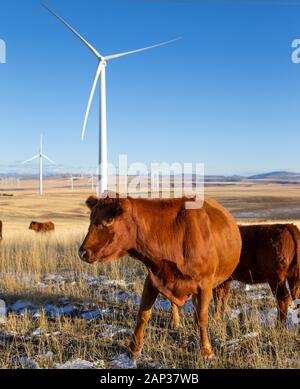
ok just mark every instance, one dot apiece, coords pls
pixel 42 227
pixel 49 226
pixel 267 250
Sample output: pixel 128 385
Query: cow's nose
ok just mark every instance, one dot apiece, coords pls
pixel 83 254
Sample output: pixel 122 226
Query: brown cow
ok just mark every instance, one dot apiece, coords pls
pixel 41 227
pixel 186 251
pixel 1 230
pixel 270 253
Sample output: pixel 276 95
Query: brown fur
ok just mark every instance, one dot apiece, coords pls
pixel 270 253
pixel 41 227
pixel 1 225
pixel 186 251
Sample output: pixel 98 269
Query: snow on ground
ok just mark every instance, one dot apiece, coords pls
pixel 233 344
pixel 29 363
pixel 118 291
pixel 123 361
pixel 75 364
pixel 38 332
pixel 266 317
pixel 110 330
pixel 94 314
pixel 25 362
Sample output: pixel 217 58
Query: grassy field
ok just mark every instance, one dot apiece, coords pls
pixel 63 313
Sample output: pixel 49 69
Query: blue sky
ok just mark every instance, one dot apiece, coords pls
pixel 227 94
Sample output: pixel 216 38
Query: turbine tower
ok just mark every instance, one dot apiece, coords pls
pixel 40 155
pixel 100 72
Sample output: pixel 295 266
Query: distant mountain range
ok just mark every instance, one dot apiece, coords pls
pixel 275 176
pixel 282 175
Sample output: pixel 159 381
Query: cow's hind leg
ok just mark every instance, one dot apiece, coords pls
pixel 221 296
pixel 227 290
pixel 204 297
pixel 175 319
pixel 148 298
pixel 283 297
pixel 218 295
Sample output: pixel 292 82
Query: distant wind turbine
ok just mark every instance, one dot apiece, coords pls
pixel 100 72
pixel 72 179
pixel 91 180
pixel 40 155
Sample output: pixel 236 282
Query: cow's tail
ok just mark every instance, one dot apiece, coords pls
pixel 294 269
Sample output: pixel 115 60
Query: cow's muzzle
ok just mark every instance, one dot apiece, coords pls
pixel 83 254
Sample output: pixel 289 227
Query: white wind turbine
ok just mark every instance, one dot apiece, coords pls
pixel 100 72
pixel 91 180
pixel 40 155
pixel 72 179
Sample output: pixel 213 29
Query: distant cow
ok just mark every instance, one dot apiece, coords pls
pixel 0 230
pixel 41 227
pixel 186 251
pixel 270 253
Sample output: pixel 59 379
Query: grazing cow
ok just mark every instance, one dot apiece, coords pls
pixel 41 227
pixel 270 253
pixel 186 251
pixel 1 230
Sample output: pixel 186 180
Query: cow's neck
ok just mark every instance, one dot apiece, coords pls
pixel 159 234
pixel 151 264
pixel 159 244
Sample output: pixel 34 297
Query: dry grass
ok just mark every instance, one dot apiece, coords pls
pixel 25 260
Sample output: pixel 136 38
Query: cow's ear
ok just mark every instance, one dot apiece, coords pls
pixel 91 202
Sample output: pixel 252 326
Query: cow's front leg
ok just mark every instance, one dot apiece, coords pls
pixel 283 297
pixel 148 298
pixel 204 297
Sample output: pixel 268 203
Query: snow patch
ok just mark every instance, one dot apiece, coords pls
pixel 109 331
pixel 25 362
pixel 96 313
pixel 75 364
pixel 123 361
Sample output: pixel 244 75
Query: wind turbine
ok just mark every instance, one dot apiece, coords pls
pixel 100 72
pixel 40 155
pixel 91 180
pixel 72 179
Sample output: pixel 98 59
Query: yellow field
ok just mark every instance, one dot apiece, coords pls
pixel 66 208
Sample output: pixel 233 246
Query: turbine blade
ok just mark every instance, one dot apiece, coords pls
pixel 94 51
pixel 48 159
pixel 99 68
pixel 108 57
pixel 30 159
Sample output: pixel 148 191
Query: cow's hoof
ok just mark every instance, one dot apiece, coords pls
pixel 134 355
pixel 207 354
pixel 174 325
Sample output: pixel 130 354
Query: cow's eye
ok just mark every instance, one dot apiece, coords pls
pixel 108 222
